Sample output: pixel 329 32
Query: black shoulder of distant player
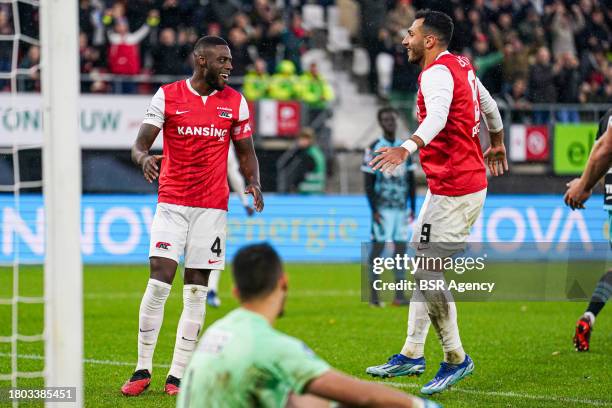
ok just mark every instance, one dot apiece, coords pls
pixel 603 123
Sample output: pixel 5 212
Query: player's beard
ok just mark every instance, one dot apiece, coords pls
pixel 213 79
pixel 415 56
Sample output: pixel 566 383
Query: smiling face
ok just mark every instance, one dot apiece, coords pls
pixel 414 42
pixel 216 63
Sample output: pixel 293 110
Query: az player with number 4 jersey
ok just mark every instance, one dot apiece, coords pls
pixel 198 117
pixel 449 105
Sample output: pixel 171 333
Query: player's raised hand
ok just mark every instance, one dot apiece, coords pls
pixel 150 167
pixel 495 158
pixel 255 191
pixel 576 195
pixel 388 158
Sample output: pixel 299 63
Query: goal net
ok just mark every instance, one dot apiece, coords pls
pixel 41 317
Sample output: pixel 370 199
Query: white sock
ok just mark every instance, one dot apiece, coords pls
pixel 213 280
pixel 590 316
pixel 150 320
pixel 192 320
pixel 418 326
pixel 443 315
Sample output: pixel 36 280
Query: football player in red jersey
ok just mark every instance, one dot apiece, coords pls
pixel 198 117
pixel 449 105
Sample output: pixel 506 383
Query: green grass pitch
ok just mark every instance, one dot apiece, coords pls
pixel 522 350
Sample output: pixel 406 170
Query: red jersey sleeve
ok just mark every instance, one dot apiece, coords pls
pixel 242 128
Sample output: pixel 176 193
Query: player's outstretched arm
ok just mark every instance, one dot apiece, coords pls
pixel 580 189
pixel 349 391
pixel 140 152
pixel 249 167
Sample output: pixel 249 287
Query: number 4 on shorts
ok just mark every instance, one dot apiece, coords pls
pixel 216 247
pixel 425 233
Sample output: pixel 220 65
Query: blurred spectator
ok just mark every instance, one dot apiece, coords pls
pixel 401 17
pixel 516 62
pixel 284 84
pixel 542 84
pixel 483 58
pixel 314 89
pixel 596 33
pixel 269 40
pixel 305 167
pixel 30 82
pixel 238 45
pixel 462 32
pixel 242 21
pixel 169 14
pixel 567 80
pixel 295 40
pixel 516 98
pixel 214 29
pixel 273 30
pixel 404 83
pixel 168 56
pixel 264 13
pixel 257 82
pixel 124 51
pixel 373 13
pixel 91 61
pixel 564 27
pixel 384 63
pixel 531 24
pixel 221 11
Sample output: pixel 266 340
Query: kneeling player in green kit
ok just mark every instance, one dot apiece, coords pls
pixel 242 361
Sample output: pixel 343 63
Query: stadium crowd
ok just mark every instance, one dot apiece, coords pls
pixel 525 51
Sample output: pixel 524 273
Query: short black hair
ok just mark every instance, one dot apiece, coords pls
pixel 438 22
pixel 208 41
pixel 256 270
pixel 385 109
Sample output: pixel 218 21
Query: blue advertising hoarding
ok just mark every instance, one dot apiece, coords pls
pixel 115 228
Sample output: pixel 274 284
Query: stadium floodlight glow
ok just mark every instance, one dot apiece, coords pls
pixel 62 197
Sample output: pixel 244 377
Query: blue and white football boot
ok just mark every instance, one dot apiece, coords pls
pixel 398 365
pixel 447 375
pixel 212 299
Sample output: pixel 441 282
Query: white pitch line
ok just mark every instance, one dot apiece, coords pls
pixel 297 294
pixel 509 394
pixel 394 384
pixel 85 360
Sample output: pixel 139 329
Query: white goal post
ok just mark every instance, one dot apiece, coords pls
pixel 62 196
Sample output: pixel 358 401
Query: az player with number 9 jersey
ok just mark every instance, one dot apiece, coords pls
pixel 449 105
pixel 198 117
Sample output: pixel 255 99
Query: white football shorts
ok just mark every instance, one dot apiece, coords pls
pixel 444 223
pixel 197 233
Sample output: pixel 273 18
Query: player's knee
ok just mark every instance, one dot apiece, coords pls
pixel 197 276
pixel 162 269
